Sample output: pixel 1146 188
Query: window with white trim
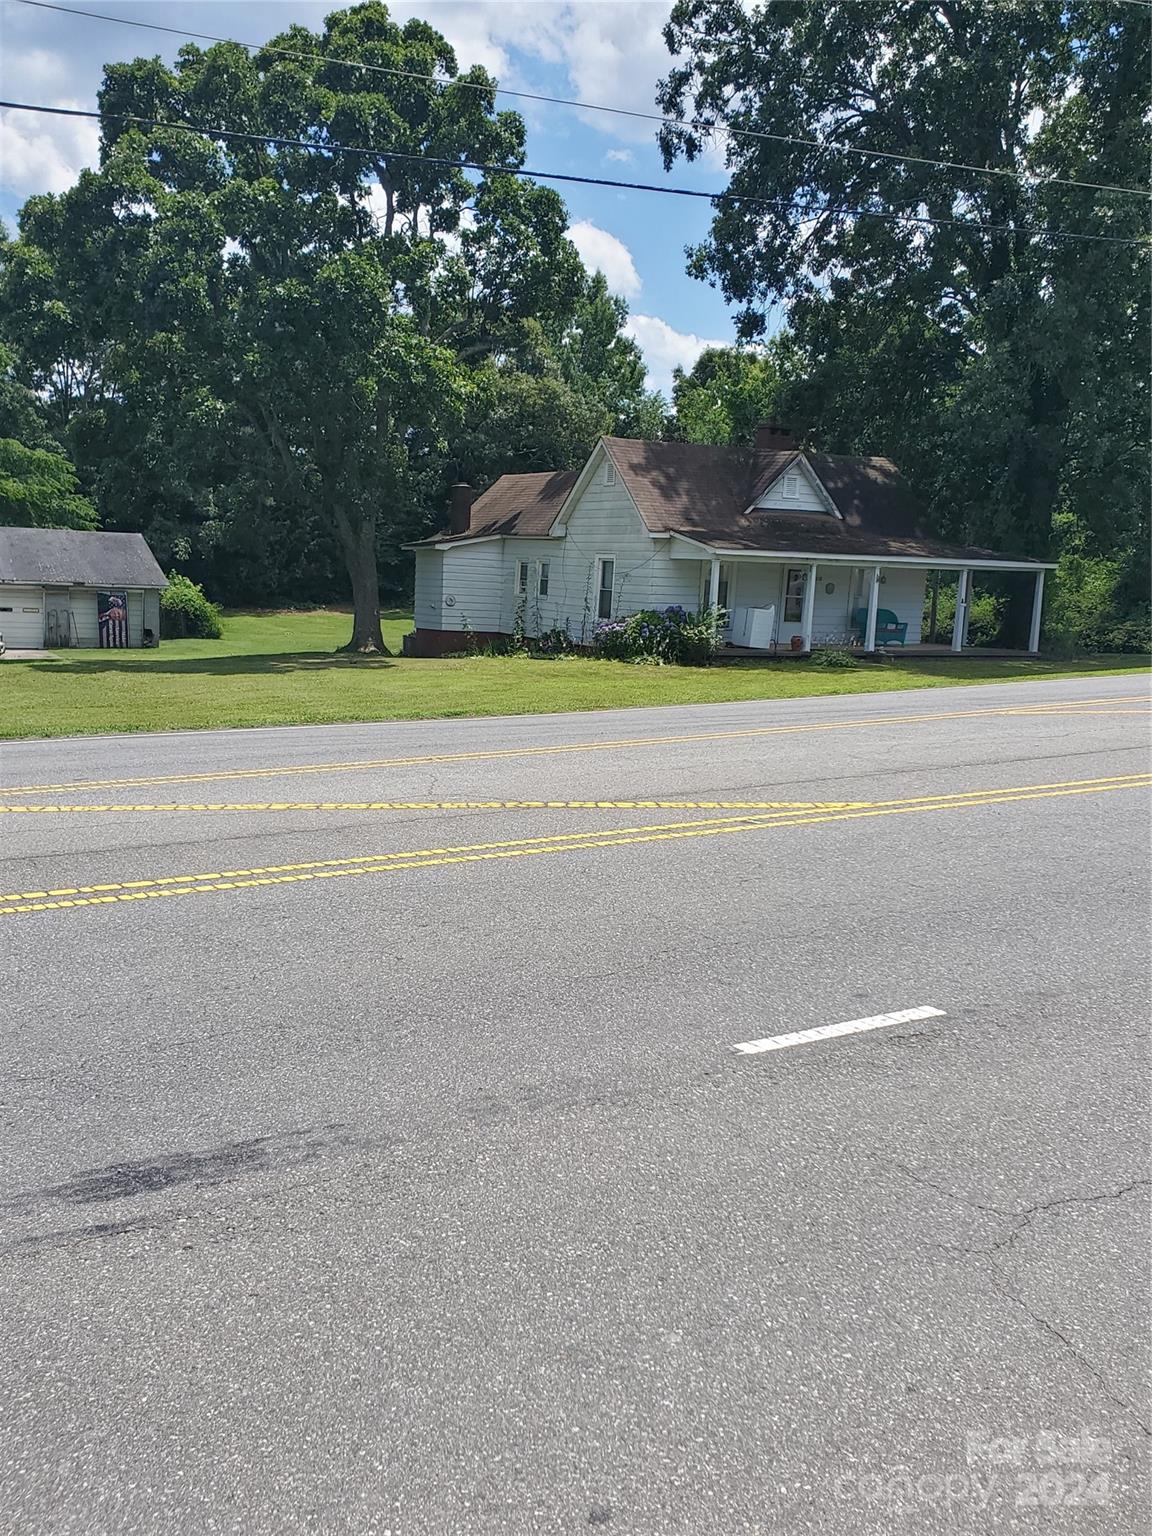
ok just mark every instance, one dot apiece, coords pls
pixel 795 581
pixel 522 578
pixel 605 582
pixel 542 579
pixel 721 591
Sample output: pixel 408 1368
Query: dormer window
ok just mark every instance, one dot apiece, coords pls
pixel 790 490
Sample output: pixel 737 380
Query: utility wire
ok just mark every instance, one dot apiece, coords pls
pixel 378 153
pixel 588 106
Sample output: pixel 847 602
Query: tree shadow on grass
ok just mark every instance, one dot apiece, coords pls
pixel 272 665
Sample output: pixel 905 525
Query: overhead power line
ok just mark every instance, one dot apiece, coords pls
pixel 379 152
pixel 696 126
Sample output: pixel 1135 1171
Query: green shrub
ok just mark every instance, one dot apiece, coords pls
pixel 185 613
pixel 985 613
pixel 834 659
pixel 662 634
pixel 553 642
pixel 1129 637
pixel 1088 611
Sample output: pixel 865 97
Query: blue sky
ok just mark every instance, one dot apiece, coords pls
pixel 603 51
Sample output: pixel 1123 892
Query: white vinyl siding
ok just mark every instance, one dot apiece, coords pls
pixel 84 616
pixel 73 613
pixel 472 579
pixel 807 499
pixel 603 525
pixel 902 591
pixel 22 617
pixel 429 594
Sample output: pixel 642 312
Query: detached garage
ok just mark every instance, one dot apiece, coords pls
pixel 60 588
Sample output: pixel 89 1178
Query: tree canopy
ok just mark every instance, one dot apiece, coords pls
pixel 38 485
pixel 727 394
pixel 266 317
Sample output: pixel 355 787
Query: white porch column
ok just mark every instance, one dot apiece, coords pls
pixel 713 583
pixel 960 622
pixel 808 608
pixel 714 592
pixel 1037 611
pixel 873 605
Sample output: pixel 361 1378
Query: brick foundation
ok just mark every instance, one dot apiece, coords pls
pixel 442 642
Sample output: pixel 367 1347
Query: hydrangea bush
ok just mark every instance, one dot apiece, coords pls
pixel 664 634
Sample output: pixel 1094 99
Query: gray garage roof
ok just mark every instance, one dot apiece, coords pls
pixel 65 557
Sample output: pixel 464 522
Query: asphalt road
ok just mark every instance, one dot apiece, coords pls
pixel 374 1170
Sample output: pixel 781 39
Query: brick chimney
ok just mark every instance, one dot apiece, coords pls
pixel 773 438
pixel 460 499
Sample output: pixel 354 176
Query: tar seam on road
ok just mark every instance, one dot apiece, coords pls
pixel 190 807
pixel 833 1031
pixel 1070 707
pixel 392 863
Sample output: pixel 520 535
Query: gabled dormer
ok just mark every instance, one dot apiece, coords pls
pixel 794 486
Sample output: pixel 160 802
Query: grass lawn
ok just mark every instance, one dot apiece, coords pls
pixel 279 669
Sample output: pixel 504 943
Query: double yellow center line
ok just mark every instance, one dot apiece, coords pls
pixel 167 886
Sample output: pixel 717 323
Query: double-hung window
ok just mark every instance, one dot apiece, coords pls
pixel 522 578
pixel 605 581
pixel 542 579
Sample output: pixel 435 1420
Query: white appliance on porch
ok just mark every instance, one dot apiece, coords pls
pixel 754 628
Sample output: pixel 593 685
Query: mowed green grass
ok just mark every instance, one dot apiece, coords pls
pixel 282 669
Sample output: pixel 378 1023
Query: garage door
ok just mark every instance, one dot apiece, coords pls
pixel 22 617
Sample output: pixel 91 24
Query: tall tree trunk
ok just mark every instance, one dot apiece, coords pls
pixel 358 542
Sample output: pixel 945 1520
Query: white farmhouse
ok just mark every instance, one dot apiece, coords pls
pixel 800 549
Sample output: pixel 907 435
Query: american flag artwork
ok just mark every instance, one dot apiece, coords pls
pixel 112 618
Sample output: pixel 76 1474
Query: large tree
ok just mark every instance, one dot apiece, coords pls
pixel 38 485
pixel 728 393
pixel 304 309
pixel 1006 369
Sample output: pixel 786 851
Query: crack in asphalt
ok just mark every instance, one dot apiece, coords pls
pixel 1022 1220
pixel 1050 1328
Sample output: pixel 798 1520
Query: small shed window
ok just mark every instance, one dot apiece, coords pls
pixel 522 578
pixel 604 584
pixel 542 580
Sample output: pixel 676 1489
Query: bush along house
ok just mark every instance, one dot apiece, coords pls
pixel 799 550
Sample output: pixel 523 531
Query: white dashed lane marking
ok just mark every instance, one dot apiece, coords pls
pixel 831 1031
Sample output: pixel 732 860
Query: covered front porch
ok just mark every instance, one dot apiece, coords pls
pixel 776 604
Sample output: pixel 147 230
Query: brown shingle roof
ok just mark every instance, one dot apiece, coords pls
pixel 705 492
pixel 524 506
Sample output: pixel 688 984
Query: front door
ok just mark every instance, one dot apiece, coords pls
pixel 793 584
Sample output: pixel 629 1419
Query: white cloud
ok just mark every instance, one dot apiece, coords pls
pixel 623 156
pixel 665 348
pixel 612 53
pixel 602 252
pixel 44 154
